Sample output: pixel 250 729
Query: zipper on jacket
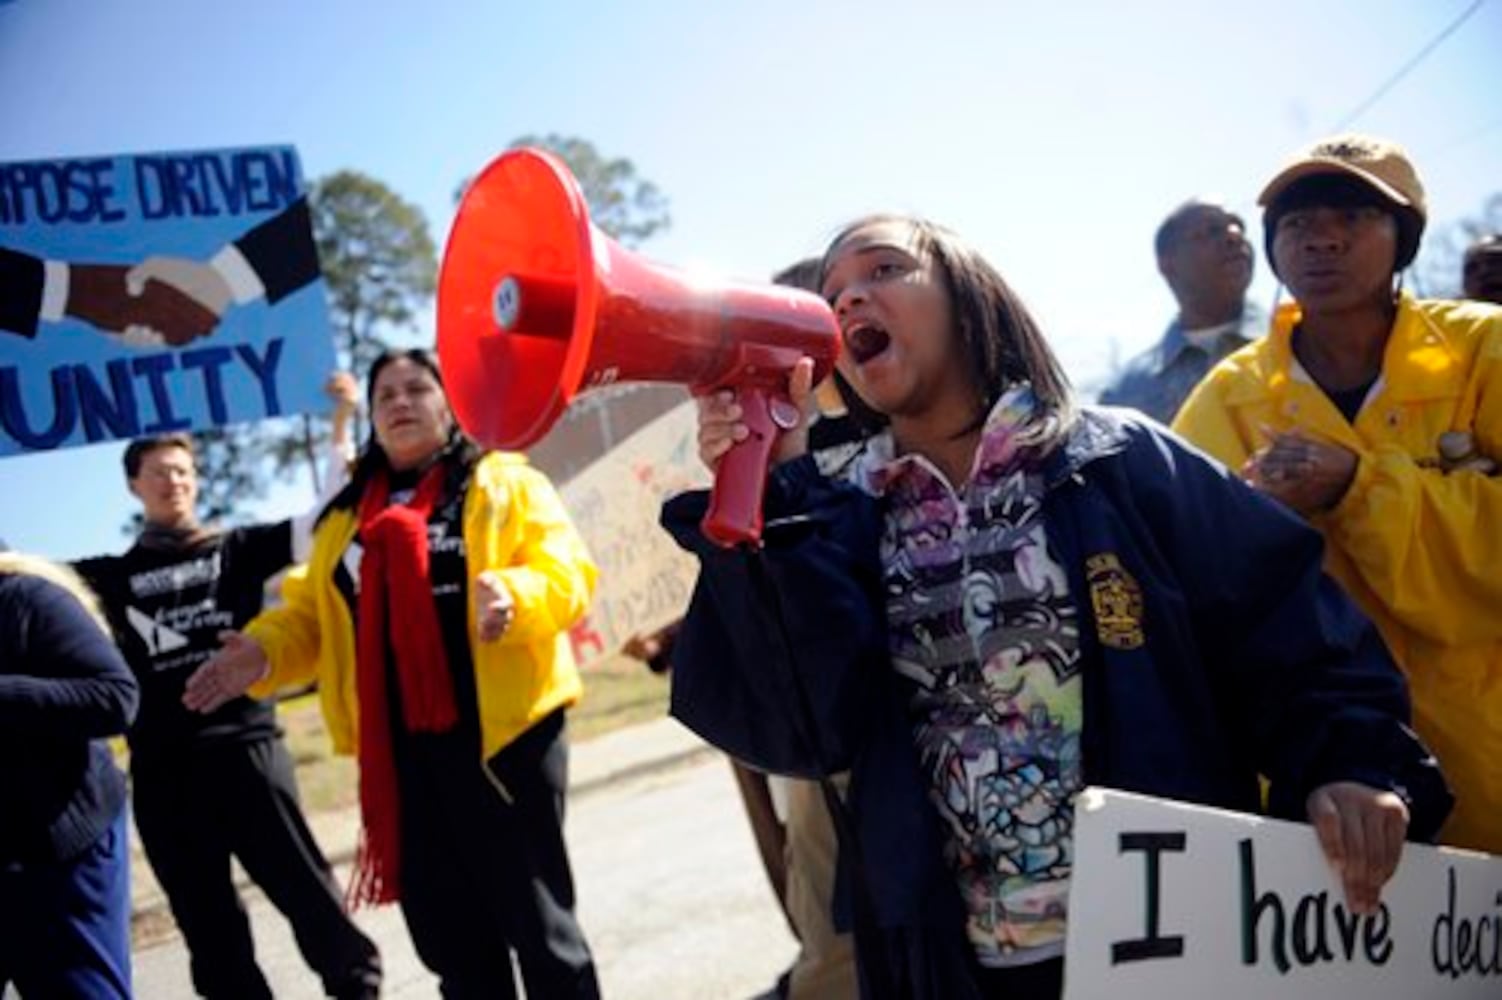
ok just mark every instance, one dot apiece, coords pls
pixel 500 785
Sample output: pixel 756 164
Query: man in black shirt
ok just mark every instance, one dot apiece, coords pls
pixel 210 786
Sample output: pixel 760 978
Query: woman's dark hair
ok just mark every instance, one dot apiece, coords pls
pixel 996 331
pixel 459 454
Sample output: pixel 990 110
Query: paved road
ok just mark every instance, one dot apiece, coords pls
pixel 672 897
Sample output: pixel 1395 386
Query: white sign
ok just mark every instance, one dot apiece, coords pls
pixel 1169 900
pixel 645 578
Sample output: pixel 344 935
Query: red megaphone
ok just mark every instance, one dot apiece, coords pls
pixel 535 304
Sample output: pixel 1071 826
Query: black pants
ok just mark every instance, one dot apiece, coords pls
pixel 484 869
pixel 241 799
pixel 1038 981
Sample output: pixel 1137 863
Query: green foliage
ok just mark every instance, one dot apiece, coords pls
pixel 378 262
pixel 230 463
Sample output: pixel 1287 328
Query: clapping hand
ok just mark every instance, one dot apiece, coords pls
pixel 1309 475
pixel 495 608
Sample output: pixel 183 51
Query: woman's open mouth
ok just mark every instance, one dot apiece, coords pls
pixel 865 342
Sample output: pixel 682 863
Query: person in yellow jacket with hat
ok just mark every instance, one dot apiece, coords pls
pixel 434 613
pixel 1378 416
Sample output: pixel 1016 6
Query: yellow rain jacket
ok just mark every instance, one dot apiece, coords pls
pixel 514 524
pixel 1419 549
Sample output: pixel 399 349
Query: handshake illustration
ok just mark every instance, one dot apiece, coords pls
pixel 162 300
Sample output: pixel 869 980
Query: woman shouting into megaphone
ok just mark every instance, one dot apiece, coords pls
pixel 1005 597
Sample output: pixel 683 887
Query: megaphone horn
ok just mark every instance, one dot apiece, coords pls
pixel 536 304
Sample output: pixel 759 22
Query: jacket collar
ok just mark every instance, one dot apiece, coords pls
pixel 881 466
pixel 1250 325
pixel 1418 364
pixel 1093 434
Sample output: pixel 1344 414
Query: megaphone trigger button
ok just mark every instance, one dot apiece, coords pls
pixel 784 414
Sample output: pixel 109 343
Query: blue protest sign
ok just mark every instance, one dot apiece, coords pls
pixel 158 292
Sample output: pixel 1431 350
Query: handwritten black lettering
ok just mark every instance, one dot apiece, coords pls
pixel 1309 943
pixel 1253 907
pixel 1308 933
pixel 1152 944
pixel 1458 946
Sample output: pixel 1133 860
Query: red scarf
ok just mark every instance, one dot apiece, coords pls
pixel 394 573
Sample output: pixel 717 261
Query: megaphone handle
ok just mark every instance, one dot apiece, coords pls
pixel 734 515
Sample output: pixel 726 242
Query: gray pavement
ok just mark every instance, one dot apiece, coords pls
pixel 671 892
pixel 616 756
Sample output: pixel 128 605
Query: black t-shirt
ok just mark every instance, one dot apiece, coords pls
pixel 167 608
pixel 1349 401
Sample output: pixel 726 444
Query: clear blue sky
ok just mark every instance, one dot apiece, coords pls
pixel 1054 138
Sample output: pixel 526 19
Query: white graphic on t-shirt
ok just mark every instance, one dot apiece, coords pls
pixel 351 559
pixel 439 539
pixel 179 576
pixel 158 638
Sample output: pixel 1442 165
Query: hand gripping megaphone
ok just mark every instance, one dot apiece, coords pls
pixel 535 305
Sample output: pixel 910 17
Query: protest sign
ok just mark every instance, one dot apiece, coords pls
pixel 152 293
pixel 645 579
pixel 1169 901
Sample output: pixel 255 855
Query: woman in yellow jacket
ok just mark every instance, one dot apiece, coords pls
pixel 1378 416
pixel 434 614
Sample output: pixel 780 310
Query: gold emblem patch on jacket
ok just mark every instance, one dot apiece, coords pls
pixel 1117 601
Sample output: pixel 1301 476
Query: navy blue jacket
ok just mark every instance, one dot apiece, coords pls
pixel 1246 660
pixel 63 686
